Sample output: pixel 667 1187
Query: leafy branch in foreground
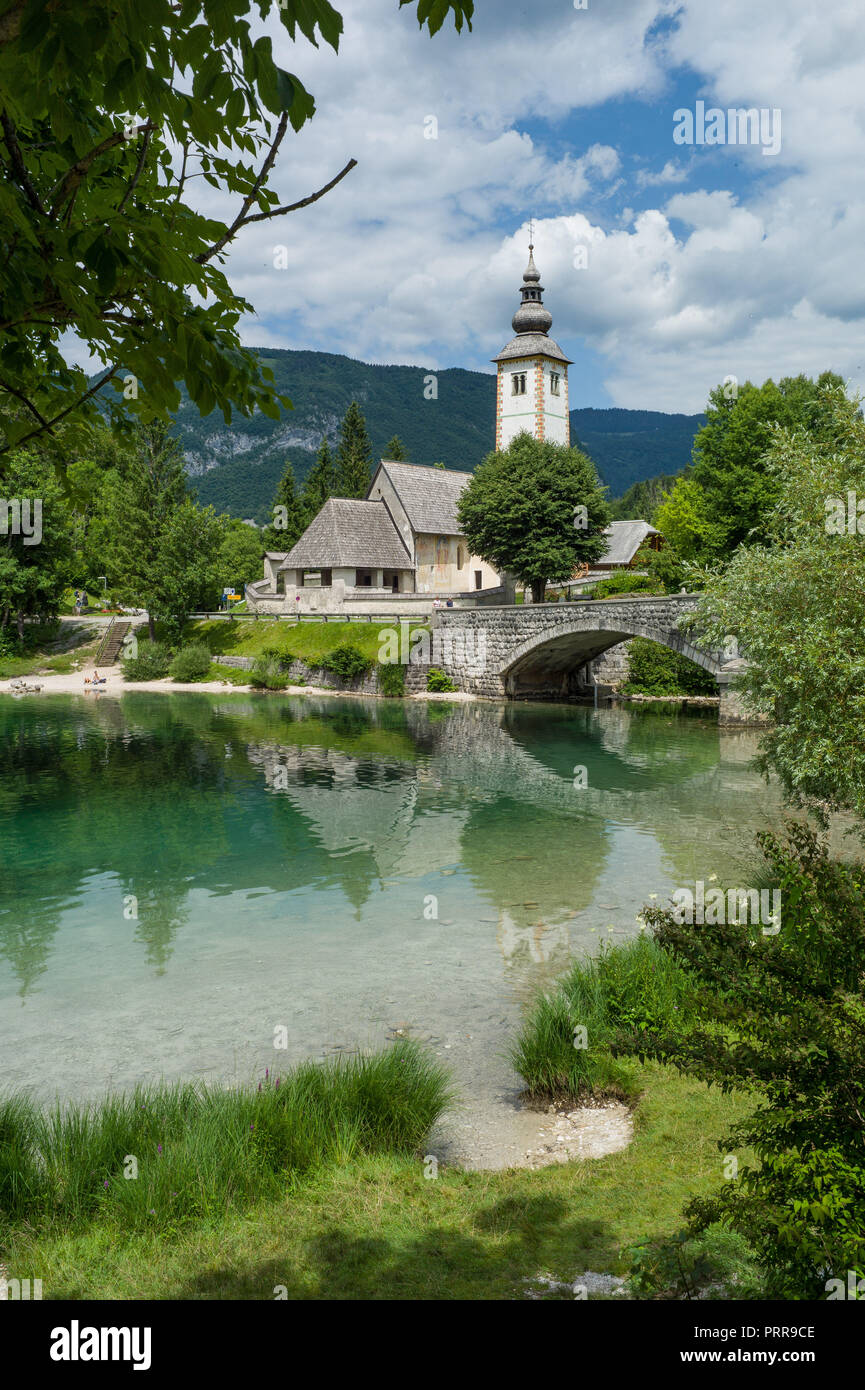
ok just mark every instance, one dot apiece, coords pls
pixel 101 241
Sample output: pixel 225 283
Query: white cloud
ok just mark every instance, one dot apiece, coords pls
pixel 671 173
pixel 417 256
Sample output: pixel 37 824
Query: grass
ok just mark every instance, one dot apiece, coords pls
pixel 562 1049
pixel 39 652
pixel 164 1157
pixel 321 1188
pixel 374 1227
pixel 307 642
pixel 231 674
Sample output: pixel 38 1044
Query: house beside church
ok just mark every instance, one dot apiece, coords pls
pixel 404 538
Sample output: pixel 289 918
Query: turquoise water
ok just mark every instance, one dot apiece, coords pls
pixel 184 876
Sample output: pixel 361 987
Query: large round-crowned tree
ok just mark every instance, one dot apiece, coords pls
pixel 537 510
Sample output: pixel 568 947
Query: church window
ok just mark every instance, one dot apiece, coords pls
pixel 554 383
pixel 519 384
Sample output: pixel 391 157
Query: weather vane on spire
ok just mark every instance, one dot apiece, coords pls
pixel 531 234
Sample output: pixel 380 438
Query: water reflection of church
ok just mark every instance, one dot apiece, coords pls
pixel 484 798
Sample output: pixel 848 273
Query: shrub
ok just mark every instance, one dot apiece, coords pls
pixel 391 680
pixel 150 663
pixel 267 674
pixel 347 662
pixel 655 670
pixel 627 989
pixel 717 1264
pixel 191 663
pixel 784 1018
pixel 438 682
pixel 626 582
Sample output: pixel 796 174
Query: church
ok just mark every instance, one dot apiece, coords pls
pixel 404 538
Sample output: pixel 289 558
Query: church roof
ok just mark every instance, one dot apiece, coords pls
pixel 624 540
pixel 429 495
pixel 532 345
pixel 347 532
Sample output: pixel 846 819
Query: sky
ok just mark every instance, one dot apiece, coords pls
pixel 668 266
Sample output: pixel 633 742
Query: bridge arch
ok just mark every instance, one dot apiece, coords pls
pixel 551 659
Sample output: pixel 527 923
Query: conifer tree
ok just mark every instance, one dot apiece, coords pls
pixel 149 486
pixel 320 482
pixel 396 450
pixel 353 455
pixel 289 514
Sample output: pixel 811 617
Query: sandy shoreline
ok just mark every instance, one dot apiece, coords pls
pixel 72 683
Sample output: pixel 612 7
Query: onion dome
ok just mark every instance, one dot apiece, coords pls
pixel 532 317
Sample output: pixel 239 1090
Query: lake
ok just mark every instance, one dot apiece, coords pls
pixel 189 878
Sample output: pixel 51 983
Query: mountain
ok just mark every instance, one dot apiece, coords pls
pixel 630 446
pixel 237 467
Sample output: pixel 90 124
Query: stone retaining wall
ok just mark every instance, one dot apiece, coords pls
pixel 415 675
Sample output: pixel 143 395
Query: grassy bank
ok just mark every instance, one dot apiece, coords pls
pixel 374 1227
pixel 563 1048
pixel 166 1157
pixel 45 647
pixel 307 642
pixel 321 1187
pixel 319 1183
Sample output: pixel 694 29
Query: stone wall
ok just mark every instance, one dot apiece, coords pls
pixel 613 668
pixel 415 675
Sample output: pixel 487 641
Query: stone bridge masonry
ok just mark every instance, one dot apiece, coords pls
pixel 540 651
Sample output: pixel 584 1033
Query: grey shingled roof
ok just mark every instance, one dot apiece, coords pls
pixel 351 533
pixel 625 539
pixel 532 345
pixel 429 495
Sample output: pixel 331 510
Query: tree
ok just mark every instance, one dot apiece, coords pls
pixel 784 1010
pixel 35 542
pixel 185 574
pixel 726 497
pixel 90 476
pixel 536 510
pixel 102 241
pixel 396 450
pixel 687 522
pixel 783 1015
pixel 290 517
pixel 795 606
pixel 353 455
pixel 149 487
pixel 320 482
pixel 240 554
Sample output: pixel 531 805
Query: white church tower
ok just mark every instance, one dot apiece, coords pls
pixel 532 389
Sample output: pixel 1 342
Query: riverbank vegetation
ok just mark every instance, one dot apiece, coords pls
pixel 563 1050
pixel 160 1158
pixel 390 1226
pixel 655 670
pixel 45 647
pixel 772 1018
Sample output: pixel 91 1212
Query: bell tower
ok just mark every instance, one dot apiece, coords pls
pixel 532 390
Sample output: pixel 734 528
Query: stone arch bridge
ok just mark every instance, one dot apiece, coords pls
pixel 542 651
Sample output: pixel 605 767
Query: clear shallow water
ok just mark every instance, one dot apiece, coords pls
pixel 281 853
